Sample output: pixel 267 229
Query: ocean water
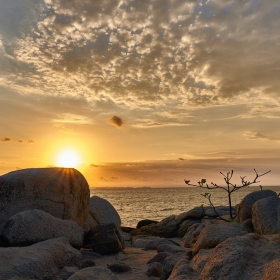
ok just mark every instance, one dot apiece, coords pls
pixel 135 204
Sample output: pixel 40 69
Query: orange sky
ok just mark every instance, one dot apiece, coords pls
pixel 147 93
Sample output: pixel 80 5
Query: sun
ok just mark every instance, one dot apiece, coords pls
pixel 68 159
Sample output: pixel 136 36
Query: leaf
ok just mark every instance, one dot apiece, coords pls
pixel 187 181
pixel 203 181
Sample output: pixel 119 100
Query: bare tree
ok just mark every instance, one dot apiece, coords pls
pixel 229 188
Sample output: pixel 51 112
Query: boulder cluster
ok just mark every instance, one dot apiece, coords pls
pixel 50 228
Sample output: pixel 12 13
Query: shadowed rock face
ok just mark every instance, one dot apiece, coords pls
pixel 61 192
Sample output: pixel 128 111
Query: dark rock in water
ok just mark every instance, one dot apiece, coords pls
pixel 106 239
pixel 103 211
pixel 266 215
pixel 88 263
pixel 119 267
pixel 214 234
pixel 248 225
pixel 154 269
pixel 145 223
pixel 61 192
pixel 160 257
pixel 32 226
pixel 244 210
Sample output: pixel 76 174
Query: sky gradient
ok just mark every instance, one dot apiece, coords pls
pixel 148 93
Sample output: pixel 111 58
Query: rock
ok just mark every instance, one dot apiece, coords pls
pixel 145 223
pixel 89 254
pixel 182 270
pixel 90 223
pixel 103 211
pixel 160 257
pixel 185 225
pixel 153 244
pixel 61 192
pixel 244 210
pixel 119 267
pixel 140 241
pixel 67 271
pixel 248 225
pixel 266 215
pixel 106 239
pixel 242 257
pixel 168 227
pixel 170 248
pixel 32 226
pixel 192 234
pixel 169 264
pixel 195 213
pixel 200 259
pixel 42 260
pixel 214 234
pixel 88 263
pixel 94 273
pixel 154 269
pixel 272 271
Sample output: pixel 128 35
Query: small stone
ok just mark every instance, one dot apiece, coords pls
pixel 88 263
pixel 119 267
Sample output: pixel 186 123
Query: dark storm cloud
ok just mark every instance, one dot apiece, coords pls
pixel 117 121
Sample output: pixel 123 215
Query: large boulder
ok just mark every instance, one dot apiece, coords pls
pixel 103 211
pixel 43 260
pixel 250 256
pixel 61 192
pixel 106 239
pixel 266 215
pixel 32 226
pixel 244 210
pixel 214 234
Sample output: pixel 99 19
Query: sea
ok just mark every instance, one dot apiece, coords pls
pixel 135 204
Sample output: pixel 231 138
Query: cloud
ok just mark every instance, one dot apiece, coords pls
pixel 6 139
pixel 30 141
pixel 72 118
pixel 94 165
pixel 259 136
pixel 117 121
pixel 181 158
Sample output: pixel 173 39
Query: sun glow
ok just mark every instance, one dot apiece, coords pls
pixel 68 159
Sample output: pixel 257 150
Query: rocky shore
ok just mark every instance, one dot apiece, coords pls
pixel 51 229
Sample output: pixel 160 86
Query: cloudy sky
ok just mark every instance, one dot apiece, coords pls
pixel 146 93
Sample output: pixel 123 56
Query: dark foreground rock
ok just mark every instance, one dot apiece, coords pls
pixel 33 226
pixel 106 239
pixel 42 260
pixel 61 192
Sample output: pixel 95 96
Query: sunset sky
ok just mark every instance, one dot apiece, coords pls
pixel 144 92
